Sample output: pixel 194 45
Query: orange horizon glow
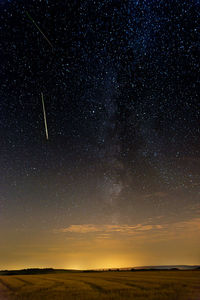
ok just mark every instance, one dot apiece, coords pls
pixel 91 246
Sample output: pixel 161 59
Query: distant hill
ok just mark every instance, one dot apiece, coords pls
pixel 33 271
pixel 152 268
pixel 169 267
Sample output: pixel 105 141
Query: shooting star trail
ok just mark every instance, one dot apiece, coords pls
pixel 45 119
pixel 44 36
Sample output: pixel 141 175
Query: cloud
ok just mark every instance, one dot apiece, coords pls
pixel 172 230
pixel 106 229
pixel 85 228
pixel 190 225
pixel 155 195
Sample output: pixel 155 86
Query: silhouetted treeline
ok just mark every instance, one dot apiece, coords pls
pixel 27 271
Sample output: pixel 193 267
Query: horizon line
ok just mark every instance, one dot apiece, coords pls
pixel 102 268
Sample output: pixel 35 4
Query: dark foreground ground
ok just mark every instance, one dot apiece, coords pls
pixel 162 285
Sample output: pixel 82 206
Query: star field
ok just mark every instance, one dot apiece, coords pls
pixel 121 84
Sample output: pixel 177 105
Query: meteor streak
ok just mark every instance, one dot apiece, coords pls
pixel 45 119
pixel 44 36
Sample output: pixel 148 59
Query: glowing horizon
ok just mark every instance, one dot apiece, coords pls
pixel 93 246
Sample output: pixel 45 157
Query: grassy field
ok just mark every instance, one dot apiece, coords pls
pixel 162 285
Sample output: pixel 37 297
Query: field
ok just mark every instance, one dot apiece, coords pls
pixel 158 285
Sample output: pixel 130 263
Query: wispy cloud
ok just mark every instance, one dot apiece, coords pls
pixel 155 195
pixel 167 230
pixel 127 229
pixel 190 225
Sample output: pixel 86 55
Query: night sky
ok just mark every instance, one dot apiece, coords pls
pixel 118 181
